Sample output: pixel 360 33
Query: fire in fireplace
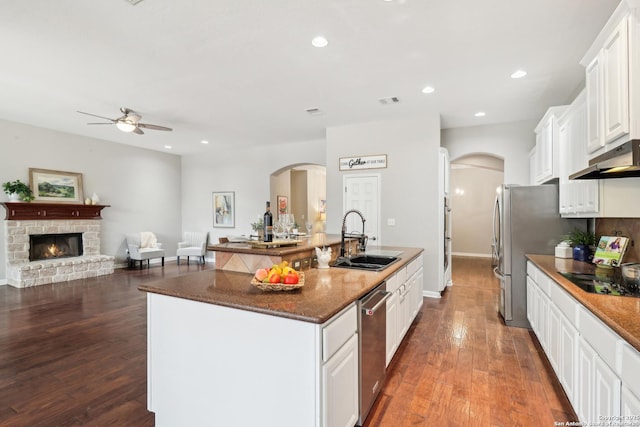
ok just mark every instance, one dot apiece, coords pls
pixel 53 246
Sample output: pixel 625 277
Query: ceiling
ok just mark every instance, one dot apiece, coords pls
pixel 243 72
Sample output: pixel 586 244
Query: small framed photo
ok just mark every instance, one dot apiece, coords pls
pixel 224 209
pixel 56 186
pixel 283 205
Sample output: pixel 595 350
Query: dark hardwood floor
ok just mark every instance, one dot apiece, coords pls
pixel 75 354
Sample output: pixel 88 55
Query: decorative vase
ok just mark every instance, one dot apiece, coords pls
pixel 14 197
pixel 324 256
pixel 581 252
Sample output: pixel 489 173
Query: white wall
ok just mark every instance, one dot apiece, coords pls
pixel 511 142
pixel 409 183
pixel 473 193
pixel 142 186
pixel 246 171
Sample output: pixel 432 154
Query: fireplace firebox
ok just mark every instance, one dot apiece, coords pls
pixel 54 246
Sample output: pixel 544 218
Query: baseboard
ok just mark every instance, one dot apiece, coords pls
pixel 472 255
pixel 4 282
pixel 431 294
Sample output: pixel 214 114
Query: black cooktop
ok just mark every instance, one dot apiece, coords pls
pixel 596 285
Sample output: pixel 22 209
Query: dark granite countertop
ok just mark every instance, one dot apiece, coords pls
pixel 323 295
pixel 306 243
pixel 622 314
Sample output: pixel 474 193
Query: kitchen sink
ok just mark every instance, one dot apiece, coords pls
pixel 366 262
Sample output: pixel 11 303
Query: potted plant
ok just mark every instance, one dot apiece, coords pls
pixel 18 190
pixel 258 227
pixel 581 242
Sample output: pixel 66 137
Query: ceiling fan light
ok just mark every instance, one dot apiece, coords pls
pixel 125 126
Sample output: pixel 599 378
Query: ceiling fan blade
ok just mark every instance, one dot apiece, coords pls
pixel 102 123
pixel 154 127
pixel 95 115
pixel 138 131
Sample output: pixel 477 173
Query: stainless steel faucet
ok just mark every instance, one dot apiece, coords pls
pixel 362 238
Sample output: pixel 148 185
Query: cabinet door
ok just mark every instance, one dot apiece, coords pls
pixel 584 383
pixel 567 358
pixel 392 326
pixel 554 338
pixel 606 389
pixel 533 167
pixel 340 386
pixel 542 319
pixel 593 85
pixel 532 310
pixel 629 405
pixel 615 59
pixel 544 150
pixel 403 311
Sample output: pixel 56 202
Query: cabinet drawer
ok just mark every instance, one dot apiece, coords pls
pixel 393 283
pixel 600 336
pixel 565 303
pixel 338 331
pixel 533 271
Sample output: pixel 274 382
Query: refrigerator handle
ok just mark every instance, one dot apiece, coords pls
pixel 499 275
pixel 496 213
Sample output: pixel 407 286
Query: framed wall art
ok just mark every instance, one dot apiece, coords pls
pixel 224 209
pixel 56 186
pixel 283 205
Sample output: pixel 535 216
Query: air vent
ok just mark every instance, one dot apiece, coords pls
pixel 314 111
pixel 133 2
pixel 389 101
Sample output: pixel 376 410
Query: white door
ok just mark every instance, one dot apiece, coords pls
pixel 362 192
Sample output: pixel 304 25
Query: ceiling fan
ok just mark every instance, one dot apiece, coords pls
pixel 129 122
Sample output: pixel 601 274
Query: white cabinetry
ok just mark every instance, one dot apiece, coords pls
pixel 579 198
pixel 547 146
pixel 612 72
pixel 404 304
pixel 599 371
pixel 340 386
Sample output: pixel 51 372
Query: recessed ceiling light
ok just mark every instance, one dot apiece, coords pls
pixel 204 142
pixel 319 41
pixel 518 74
pixel 428 89
pixel 168 147
pixel 480 114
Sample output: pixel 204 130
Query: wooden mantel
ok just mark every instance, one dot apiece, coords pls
pixel 35 210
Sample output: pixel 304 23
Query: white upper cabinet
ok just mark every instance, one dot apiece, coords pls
pixel 577 198
pixel 612 77
pixel 615 73
pixel 547 146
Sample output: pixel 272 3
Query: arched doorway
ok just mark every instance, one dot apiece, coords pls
pixel 474 181
pixel 300 189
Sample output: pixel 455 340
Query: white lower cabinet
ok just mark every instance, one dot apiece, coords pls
pixel 598 370
pixel 340 386
pixel 404 303
pixel 392 325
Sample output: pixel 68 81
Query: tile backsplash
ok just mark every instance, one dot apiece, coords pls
pixel 627 227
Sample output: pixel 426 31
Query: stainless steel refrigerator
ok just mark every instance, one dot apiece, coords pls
pixel 525 221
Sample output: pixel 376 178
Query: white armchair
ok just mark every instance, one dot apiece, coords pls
pixel 194 243
pixel 144 246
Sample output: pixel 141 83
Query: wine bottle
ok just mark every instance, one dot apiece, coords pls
pixel 268 224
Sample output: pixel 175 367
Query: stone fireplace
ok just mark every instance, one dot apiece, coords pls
pixel 73 245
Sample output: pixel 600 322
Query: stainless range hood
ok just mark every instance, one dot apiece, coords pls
pixel 621 162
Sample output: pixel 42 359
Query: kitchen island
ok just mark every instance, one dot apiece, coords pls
pixel 222 352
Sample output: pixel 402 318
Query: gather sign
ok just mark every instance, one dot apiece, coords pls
pixel 363 162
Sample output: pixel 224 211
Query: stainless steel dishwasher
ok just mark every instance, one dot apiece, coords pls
pixel 372 326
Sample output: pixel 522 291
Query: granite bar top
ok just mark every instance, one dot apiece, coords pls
pixel 307 243
pixel 622 314
pixel 323 295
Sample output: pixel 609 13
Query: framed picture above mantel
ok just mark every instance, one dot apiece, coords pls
pixel 53 186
